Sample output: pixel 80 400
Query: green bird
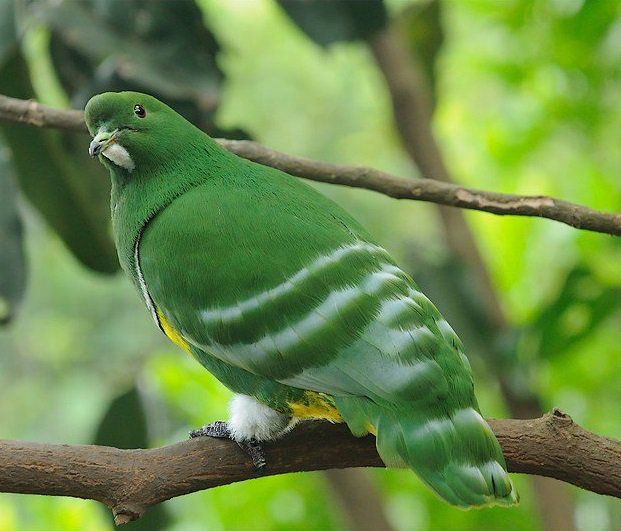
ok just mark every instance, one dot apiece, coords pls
pixel 289 302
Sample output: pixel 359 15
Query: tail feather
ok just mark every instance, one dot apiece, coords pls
pixel 456 454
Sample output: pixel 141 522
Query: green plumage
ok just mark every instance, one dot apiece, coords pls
pixel 277 291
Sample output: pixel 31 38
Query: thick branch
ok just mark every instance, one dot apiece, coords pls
pixel 443 193
pixel 130 481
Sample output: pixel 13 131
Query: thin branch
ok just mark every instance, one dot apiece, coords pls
pixel 32 113
pixel 581 217
pixel 131 481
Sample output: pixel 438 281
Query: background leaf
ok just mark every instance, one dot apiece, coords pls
pixel 70 192
pixel 330 21
pixel 124 425
pixel 162 48
pixel 583 303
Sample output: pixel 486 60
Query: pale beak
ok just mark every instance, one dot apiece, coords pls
pixel 101 142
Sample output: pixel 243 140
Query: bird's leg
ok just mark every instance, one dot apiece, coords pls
pixel 251 422
pixel 221 430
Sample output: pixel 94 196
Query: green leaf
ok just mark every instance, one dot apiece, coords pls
pixel 12 260
pixel 124 425
pixel 329 21
pixel 70 191
pixel 582 305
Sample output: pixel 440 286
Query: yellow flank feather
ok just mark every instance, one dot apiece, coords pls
pixel 315 406
pixel 171 333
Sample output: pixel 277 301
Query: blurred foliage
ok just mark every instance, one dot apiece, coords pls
pixel 53 181
pixel 163 48
pixel 330 21
pixel 526 96
pixel 8 35
pixel 582 305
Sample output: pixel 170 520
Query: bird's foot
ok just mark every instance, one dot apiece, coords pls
pixel 220 430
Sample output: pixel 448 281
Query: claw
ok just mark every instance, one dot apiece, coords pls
pixel 220 430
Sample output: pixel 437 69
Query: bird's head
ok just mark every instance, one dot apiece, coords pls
pixel 134 131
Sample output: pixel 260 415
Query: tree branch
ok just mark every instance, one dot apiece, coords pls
pixel 32 113
pixel 443 193
pixel 130 481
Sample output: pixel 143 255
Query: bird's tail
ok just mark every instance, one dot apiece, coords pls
pixel 456 454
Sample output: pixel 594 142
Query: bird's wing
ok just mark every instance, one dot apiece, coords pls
pixel 267 275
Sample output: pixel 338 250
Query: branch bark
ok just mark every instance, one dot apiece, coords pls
pixel 442 193
pixel 131 481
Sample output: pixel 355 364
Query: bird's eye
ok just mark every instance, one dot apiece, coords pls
pixel 139 111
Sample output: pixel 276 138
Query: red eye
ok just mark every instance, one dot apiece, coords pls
pixel 139 111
